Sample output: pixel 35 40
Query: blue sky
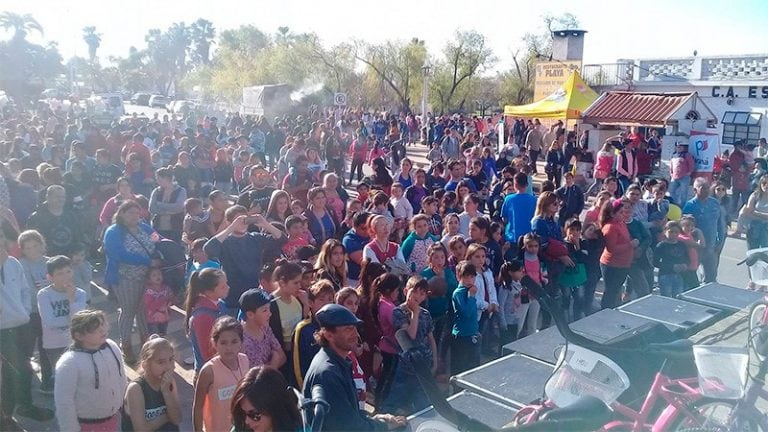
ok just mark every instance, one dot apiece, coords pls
pixel 617 29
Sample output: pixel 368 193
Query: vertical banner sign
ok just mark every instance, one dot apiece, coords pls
pixel 501 134
pixel 704 147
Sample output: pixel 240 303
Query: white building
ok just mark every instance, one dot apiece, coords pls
pixel 734 88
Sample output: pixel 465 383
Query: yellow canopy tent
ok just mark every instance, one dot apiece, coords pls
pixel 567 102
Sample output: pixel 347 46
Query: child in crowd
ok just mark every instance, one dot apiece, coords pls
pixel 435 154
pixel 693 239
pixel 442 283
pixel 573 278
pixel 320 294
pixel 82 270
pixel 294 226
pixel 90 377
pixel 200 259
pixel 386 291
pixel 458 247
pixel 449 203
pixel 350 299
pixel 402 210
pixel 259 343
pixel 451 228
pixel 57 303
pixel 157 301
pixel 672 259
pixel 152 399
pixel 417 244
pixel 487 299
pixel 429 208
pixel 206 290
pixel 512 273
pixel 34 261
pixel 291 304
pixel 528 316
pixel 197 221
pixel 658 207
pixel 465 347
pixel 406 394
pixel 418 191
pixel 219 377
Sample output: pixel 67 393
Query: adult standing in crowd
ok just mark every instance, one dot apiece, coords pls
pixel 124 193
pixel 240 252
pixel 756 213
pixel 166 204
pixel 330 370
pixel 129 245
pixel 534 142
pixel 518 210
pixel 59 225
pixel 706 211
pixel 619 249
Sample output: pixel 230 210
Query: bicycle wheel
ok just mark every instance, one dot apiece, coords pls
pixel 758 330
pixel 714 415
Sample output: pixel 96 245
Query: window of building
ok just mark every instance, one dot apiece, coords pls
pixel 740 125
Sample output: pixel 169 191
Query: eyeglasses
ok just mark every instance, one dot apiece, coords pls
pixel 254 415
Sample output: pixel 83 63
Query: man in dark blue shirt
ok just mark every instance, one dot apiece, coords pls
pixel 332 371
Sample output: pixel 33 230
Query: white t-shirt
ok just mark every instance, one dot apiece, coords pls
pixel 55 313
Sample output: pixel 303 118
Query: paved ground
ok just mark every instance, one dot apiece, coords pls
pixel 729 274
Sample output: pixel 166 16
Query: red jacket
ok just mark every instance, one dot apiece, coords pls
pixel 618 251
pixel 739 171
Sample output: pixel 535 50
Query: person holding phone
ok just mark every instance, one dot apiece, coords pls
pixel 241 252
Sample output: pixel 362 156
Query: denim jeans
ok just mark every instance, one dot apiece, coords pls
pixel 680 190
pixel 405 393
pixel 708 260
pixel 670 285
pixel 614 278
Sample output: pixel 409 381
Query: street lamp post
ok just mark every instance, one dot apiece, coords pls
pixel 424 95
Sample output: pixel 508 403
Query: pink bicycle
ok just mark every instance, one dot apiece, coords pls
pixel 589 368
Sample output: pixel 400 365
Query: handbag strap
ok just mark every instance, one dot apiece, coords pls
pixel 146 249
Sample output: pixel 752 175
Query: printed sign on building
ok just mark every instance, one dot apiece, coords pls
pixel 551 75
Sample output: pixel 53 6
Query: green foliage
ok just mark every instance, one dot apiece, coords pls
pixel 397 65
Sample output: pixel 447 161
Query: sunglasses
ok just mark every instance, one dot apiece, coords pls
pixel 254 415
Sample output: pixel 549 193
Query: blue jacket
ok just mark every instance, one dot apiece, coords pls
pixel 334 374
pixel 116 253
pixel 465 322
pixel 707 215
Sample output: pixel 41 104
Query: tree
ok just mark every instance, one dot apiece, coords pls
pixel 93 40
pixel 21 25
pixel 202 34
pixel 465 57
pixel 397 65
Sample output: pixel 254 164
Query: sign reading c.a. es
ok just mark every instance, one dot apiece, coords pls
pixel 750 92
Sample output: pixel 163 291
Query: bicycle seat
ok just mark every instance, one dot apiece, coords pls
pixel 588 409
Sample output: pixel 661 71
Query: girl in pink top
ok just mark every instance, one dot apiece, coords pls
pixel 603 166
pixel 157 302
pixel 219 377
pixel 593 213
pixel 528 312
pixel 386 290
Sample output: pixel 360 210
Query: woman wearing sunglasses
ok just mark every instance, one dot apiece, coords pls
pixel 263 402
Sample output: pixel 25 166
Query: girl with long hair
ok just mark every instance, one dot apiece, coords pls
pixel 332 264
pixel 206 288
pixel 215 386
pixel 152 400
pixel 386 291
pixel 279 207
pixel 263 402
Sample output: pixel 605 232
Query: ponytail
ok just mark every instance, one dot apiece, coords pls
pixel 383 284
pixel 200 283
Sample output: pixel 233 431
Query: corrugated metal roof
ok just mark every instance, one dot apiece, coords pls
pixel 621 107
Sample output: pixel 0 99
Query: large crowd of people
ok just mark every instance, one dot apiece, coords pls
pixel 298 246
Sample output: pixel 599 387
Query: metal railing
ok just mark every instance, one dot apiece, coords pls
pixel 606 75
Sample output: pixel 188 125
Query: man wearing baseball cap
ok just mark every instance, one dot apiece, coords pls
pixel 331 370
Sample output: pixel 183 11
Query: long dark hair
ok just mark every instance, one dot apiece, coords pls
pixel 382 285
pixel 199 283
pixel 267 390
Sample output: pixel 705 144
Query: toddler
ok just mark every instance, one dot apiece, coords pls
pixel 157 300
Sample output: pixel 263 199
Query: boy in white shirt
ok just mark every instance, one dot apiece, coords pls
pixel 57 303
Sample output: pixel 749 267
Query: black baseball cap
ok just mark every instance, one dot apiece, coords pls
pixel 254 298
pixel 334 315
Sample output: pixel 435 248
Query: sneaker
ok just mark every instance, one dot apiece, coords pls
pixel 34 412
pixel 46 388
